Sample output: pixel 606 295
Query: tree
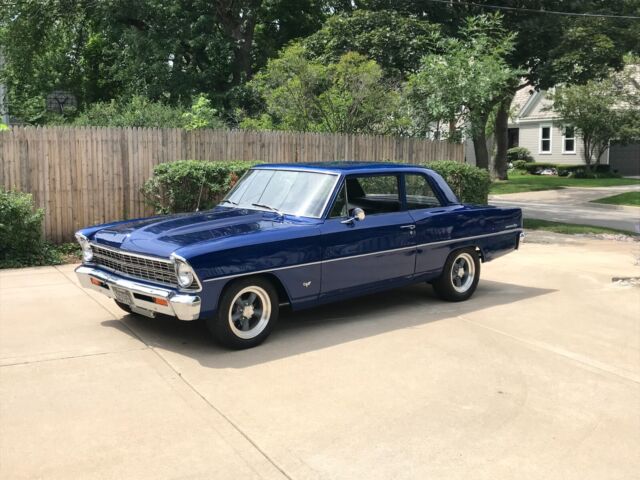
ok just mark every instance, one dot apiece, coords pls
pixel 141 112
pixel 301 94
pixel 549 48
pixel 462 85
pixel 163 50
pixel 601 111
pixel 395 41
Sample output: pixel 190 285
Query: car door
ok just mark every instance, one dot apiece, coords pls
pixel 433 221
pixel 360 255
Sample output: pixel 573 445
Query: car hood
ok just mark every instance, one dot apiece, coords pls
pixel 161 236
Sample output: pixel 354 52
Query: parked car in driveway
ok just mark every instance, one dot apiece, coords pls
pixel 298 235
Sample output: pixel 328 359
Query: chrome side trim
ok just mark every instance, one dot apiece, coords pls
pixel 362 255
pixel 380 252
pixel 513 230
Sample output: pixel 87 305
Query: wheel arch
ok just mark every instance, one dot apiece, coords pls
pixel 283 294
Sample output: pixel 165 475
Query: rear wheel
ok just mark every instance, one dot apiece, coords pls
pixel 459 277
pixel 246 314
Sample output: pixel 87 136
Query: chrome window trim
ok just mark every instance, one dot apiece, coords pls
pixel 513 230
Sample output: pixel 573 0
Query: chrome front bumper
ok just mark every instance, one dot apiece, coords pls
pixel 181 305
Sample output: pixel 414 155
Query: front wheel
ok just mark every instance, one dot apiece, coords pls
pixel 459 277
pixel 247 312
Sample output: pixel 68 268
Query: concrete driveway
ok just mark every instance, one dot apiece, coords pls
pixel 537 376
pixel 573 205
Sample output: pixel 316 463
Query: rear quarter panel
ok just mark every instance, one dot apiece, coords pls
pixel 439 231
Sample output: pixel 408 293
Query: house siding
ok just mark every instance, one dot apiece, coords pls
pixel 529 138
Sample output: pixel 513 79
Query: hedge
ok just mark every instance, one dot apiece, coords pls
pixel 519 153
pixel 579 171
pixel 470 184
pixel 21 241
pixel 185 185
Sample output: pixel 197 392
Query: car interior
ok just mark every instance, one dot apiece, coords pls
pixel 380 194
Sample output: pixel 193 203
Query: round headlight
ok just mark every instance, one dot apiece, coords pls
pixel 87 252
pixel 185 274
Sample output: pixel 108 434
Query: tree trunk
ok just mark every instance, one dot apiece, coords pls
pixel 238 22
pixel 587 153
pixel 499 165
pixel 479 136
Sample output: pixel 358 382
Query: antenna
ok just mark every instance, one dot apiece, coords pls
pixel 200 195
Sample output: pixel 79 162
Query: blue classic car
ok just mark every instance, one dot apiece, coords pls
pixel 298 235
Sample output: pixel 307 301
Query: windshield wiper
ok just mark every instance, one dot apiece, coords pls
pixel 228 201
pixel 268 207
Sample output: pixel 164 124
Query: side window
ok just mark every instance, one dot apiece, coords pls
pixel 339 205
pixel 419 192
pixel 374 194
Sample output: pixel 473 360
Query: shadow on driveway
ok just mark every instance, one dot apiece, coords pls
pixel 322 327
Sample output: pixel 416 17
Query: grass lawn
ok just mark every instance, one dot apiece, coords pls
pixel 569 228
pixel 519 182
pixel 629 198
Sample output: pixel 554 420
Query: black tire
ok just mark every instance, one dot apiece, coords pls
pixel 124 306
pixel 459 277
pixel 247 312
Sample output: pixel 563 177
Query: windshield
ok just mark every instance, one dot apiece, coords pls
pixel 299 193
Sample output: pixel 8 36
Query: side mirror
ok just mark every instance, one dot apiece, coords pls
pixel 357 214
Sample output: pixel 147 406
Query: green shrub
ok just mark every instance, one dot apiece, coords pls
pixel 520 165
pixel 519 153
pixel 470 184
pixel 577 171
pixel 184 185
pixel 139 111
pixel 534 168
pixel 21 242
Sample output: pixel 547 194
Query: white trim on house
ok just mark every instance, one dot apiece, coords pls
pixel 550 139
pixel 564 141
pixel 530 103
pixel 518 121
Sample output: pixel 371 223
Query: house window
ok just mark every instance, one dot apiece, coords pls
pixel 545 139
pixel 569 141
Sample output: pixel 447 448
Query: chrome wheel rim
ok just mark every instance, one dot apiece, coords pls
pixel 249 312
pixel 463 271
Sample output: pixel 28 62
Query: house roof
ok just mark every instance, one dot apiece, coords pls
pixel 531 105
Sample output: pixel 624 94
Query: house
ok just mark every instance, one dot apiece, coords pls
pixel 536 127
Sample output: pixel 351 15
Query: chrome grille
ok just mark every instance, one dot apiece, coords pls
pixel 145 268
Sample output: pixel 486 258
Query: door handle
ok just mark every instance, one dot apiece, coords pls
pixel 410 227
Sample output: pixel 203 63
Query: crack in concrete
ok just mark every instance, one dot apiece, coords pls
pixel 71 357
pixel 186 382
pixel 580 360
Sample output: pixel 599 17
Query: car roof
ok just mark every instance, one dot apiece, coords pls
pixel 343 167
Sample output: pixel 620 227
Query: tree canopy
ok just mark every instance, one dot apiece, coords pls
pixel 316 65
pixel 348 96
pixel 602 111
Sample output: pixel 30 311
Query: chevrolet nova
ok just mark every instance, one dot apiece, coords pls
pixel 298 235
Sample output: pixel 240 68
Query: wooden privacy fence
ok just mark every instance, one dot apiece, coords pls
pixel 84 176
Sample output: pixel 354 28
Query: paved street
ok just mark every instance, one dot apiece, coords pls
pixel 572 205
pixel 537 376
